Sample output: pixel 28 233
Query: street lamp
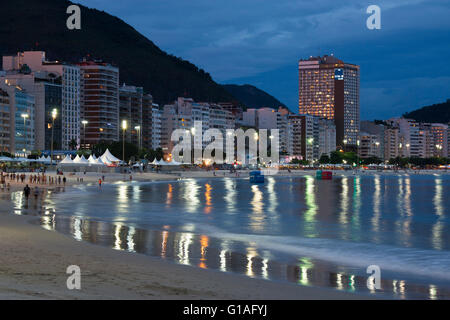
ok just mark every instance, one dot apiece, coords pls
pixel 138 129
pixel 357 152
pixel 25 117
pixel 124 128
pixel 84 122
pixel 54 114
pixel 193 145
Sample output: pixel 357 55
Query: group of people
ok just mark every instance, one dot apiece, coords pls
pixel 32 178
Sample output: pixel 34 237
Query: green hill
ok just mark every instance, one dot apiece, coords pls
pixel 253 97
pixel 436 113
pixel 41 25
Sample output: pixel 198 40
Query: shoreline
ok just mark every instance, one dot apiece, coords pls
pixel 34 261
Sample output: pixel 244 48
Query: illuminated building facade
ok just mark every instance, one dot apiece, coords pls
pixel 99 102
pixel 329 88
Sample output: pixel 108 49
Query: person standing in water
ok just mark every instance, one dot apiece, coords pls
pixel 26 191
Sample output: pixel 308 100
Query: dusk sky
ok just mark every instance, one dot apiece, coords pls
pixel 404 65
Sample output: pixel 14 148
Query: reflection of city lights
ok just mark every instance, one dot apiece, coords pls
pixel 204 241
pixel 433 293
pixel 165 235
pixel 311 207
pixel 208 198
pixel 258 217
pixel 183 247
pixel 251 253
pixel 191 191
pixel 264 269
pixel 130 239
pixel 376 204
pixel 437 229
pixel 305 264
pixel 117 240
pixel 339 284
pixel 169 195
pixel 77 233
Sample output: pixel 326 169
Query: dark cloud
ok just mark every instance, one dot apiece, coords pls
pixel 260 42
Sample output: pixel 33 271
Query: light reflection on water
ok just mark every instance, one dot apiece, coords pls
pixel 209 224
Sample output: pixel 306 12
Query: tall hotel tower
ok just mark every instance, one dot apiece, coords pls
pixel 99 102
pixel 329 88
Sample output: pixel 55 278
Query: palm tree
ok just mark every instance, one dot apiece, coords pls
pixel 73 144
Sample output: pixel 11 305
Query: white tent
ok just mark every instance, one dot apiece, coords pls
pixel 43 159
pixel 174 163
pixel 92 160
pixel 80 160
pixel 109 157
pixel 100 162
pixel 67 160
pixel 161 163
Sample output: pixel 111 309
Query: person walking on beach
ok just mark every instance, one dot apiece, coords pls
pixel 36 192
pixel 64 180
pixel 100 183
pixel 26 191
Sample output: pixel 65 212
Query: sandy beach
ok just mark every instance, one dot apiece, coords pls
pixel 33 261
pixel 33 265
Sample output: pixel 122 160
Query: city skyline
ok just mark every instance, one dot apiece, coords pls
pixel 265 53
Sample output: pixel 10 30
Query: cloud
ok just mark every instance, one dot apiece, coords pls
pixel 250 39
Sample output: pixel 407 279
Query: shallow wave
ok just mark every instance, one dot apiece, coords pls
pixel 426 263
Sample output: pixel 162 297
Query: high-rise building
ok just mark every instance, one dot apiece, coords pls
pixel 327 137
pixel 151 123
pixel 305 135
pixel 99 102
pixel 130 98
pixel 440 139
pixel 391 142
pixel 55 85
pixel 372 140
pixel 71 107
pixel 22 112
pixel 409 137
pixel 329 88
pixel 5 119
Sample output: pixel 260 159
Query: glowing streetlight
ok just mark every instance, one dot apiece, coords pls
pixel 124 128
pixel 54 115
pixel 84 122
pixel 25 116
pixel 138 129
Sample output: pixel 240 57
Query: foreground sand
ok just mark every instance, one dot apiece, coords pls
pixel 33 263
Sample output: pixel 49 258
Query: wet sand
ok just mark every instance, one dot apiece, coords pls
pixel 33 262
pixel 33 265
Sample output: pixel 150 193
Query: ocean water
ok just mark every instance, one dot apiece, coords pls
pixel 298 229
